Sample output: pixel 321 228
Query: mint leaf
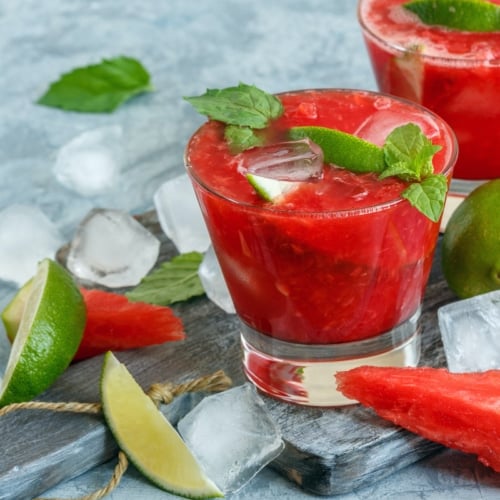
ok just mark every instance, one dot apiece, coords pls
pixel 428 196
pixel 241 138
pixel 244 105
pixel 173 281
pixel 98 88
pixel 408 153
pixel 465 15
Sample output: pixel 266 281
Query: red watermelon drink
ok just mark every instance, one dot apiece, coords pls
pixel 454 72
pixel 331 271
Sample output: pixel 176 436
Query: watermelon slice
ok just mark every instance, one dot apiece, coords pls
pixel 114 324
pixel 458 410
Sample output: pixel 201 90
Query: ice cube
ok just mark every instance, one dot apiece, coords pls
pixel 112 248
pixel 27 236
pixel 379 125
pixel 180 215
pixel 91 162
pixel 470 330
pixel 213 282
pixel 232 435
pixel 286 161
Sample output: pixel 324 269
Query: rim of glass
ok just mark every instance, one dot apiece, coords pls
pixel 464 61
pixel 370 209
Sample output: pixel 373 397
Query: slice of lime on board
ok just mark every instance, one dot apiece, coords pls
pixel 49 333
pixel 465 15
pixel 146 436
pixel 343 149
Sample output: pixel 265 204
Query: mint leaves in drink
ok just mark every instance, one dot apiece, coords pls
pixel 244 108
pixel 243 105
pixel 407 153
pixel 98 88
pixel 465 15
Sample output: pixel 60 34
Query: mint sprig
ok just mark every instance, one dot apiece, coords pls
pixel 241 138
pixel 243 105
pixel 174 281
pixel 408 155
pixel 465 15
pixel 428 196
pixel 98 88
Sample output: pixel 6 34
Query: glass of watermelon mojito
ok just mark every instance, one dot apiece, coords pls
pixel 331 273
pixel 455 73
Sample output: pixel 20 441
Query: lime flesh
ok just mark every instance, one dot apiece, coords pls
pixel 146 436
pixel 13 312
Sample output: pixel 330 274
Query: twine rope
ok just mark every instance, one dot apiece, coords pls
pixel 160 393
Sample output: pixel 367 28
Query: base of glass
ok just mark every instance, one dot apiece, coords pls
pixel 305 373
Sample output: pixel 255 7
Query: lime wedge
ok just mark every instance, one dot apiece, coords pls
pixel 13 312
pixel 465 15
pixel 49 333
pixel 270 189
pixel 343 149
pixel 147 438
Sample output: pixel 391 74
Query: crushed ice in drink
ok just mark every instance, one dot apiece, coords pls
pixel 113 249
pixel 213 282
pixel 379 125
pixel 27 236
pixel 232 435
pixel 180 216
pixel 470 330
pixel 286 161
pixel 91 162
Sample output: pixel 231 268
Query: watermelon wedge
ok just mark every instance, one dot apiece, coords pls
pixel 458 410
pixel 114 324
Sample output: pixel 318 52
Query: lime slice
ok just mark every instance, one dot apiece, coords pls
pixel 147 438
pixel 465 15
pixel 50 331
pixel 343 149
pixel 271 189
pixel 13 312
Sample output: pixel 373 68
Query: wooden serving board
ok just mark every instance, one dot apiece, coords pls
pixel 328 451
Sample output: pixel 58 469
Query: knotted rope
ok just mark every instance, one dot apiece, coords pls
pixel 160 393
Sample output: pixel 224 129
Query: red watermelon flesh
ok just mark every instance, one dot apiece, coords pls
pixel 458 410
pixel 114 323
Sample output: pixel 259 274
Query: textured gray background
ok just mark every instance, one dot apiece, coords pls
pixel 187 46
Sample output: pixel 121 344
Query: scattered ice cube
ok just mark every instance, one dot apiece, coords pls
pixel 213 282
pixel 27 236
pixel 379 125
pixel 112 248
pixel 232 435
pixel 180 215
pixel 91 162
pixel 286 161
pixel 470 330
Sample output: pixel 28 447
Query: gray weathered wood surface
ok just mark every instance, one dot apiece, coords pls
pixel 328 451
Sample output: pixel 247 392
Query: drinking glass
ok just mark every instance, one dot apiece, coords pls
pixel 454 73
pixel 332 274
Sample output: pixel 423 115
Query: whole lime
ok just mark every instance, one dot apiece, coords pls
pixel 471 243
